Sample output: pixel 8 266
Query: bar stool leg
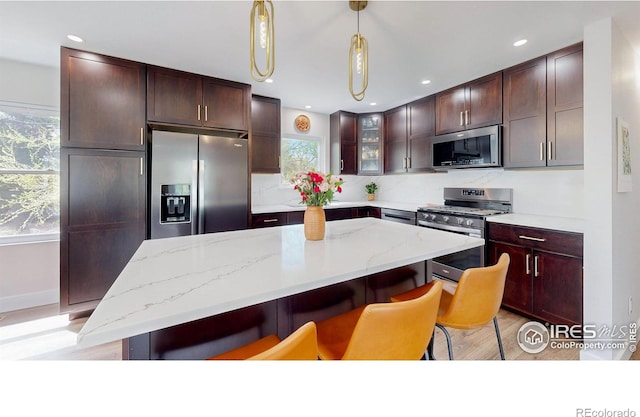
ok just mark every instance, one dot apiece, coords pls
pixel 495 323
pixel 430 355
pixel 446 334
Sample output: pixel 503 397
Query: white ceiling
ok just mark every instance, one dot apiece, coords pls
pixel 448 42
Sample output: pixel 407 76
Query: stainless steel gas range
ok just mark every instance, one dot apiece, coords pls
pixel 464 211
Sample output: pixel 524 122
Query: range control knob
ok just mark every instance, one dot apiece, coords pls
pixel 432 216
pixel 460 221
pixel 469 222
pixel 445 219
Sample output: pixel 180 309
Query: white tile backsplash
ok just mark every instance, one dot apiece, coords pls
pixel 552 192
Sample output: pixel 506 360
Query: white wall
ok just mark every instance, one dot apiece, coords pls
pixel 29 273
pixel 27 83
pixel 611 82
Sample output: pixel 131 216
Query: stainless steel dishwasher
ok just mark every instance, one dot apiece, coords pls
pixel 399 216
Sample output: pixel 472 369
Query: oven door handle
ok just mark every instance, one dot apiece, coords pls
pixel 447 228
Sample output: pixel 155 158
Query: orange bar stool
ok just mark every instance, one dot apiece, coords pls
pixel 299 345
pixel 475 302
pixel 379 331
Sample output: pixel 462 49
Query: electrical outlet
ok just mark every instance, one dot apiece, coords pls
pixel 630 305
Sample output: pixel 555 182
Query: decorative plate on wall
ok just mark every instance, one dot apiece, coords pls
pixel 303 123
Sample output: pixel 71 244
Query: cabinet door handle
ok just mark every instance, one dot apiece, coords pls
pixel 206 113
pixel 542 151
pixel 141 167
pixel 409 162
pixel 404 162
pixel 466 117
pixel 537 239
pixel 341 165
pixel 461 119
pixel 142 136
pixel 535 266
pixel 527 262
pixel 198 112
pixel 550 151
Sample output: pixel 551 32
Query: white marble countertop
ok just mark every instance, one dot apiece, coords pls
pixel 177 280
pixel 566 224
pixel 276 208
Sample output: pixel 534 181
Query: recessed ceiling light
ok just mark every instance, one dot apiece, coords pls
pixel 520 42
pixel 426 82
pixel 307 106
pixel 268 80
pixel 75 38
pixel 373 104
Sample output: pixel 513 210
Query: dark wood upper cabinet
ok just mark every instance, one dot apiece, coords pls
pixel 174 97
pixel 344 143
pixel 475 104
pixel 181 98
pixel 407 139
pixel 525 114
pixel 543 117
pixel 395 140
pixel 370 143
pixel 226 104
pixel 565 133
pixel 102 101
pixel 421 119
pixel 265 134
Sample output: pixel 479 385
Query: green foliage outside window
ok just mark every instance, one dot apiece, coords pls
pixel 29 165
pixel 298 155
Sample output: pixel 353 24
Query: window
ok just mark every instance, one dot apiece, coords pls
pixel 29 172
pixel 298 154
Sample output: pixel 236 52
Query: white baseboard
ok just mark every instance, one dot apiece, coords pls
pixel 29 300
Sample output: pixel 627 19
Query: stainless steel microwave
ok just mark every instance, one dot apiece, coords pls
pixel 475 148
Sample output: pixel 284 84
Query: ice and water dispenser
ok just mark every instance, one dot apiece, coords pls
pixel 175 203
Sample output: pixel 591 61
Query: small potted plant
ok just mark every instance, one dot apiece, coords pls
pixel 371 190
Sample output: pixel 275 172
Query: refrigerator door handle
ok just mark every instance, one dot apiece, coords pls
pixel 201 197
pixel 194 195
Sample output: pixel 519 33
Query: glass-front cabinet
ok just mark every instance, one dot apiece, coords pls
pixel 370 144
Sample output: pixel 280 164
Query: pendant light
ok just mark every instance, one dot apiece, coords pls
pixel 262 15
pixel 358 57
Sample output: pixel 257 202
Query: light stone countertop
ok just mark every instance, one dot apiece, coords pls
pixel 566 224
pixel 277 208
pixel 176 280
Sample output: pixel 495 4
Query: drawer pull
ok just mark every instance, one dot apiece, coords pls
pixel 270 220
pixel 537 239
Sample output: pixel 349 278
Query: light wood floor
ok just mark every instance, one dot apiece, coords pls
pixel 42 334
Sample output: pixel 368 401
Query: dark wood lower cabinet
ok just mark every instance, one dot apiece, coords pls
pixel 297 217
pixel 102 223
pixel 545 274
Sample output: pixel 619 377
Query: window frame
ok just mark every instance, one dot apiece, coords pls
pixel 322 154
pixel 34 237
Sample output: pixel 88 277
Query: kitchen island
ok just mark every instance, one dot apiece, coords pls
pixel 174 282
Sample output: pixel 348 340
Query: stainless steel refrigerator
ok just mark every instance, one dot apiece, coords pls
pixel 199 184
